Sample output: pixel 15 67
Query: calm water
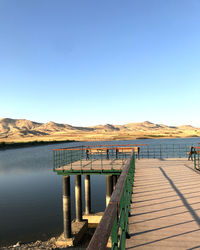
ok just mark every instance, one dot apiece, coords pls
pixel 31 193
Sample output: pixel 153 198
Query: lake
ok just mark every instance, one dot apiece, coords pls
pixel 31 193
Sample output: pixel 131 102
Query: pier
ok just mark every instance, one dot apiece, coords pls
pixel 152 195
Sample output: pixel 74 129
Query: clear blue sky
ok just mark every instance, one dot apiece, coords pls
pixel 95 62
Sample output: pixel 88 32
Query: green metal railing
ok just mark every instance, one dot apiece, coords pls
pixel 62 157
pixel 88 155
pixel 165 150
pixel 114 223
pixel 197 161
pixel 197 158
pixel 78 155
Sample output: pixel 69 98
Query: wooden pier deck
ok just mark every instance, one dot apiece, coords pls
pixel 96 165
pixel 165 209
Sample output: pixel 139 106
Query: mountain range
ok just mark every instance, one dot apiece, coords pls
pixel 21 130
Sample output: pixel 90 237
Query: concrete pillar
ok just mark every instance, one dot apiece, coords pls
pixel 78 198
pixel 114 181
pixel 87 195
pixel 109 188
pixel 66 207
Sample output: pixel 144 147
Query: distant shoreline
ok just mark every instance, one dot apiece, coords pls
pixel 12 145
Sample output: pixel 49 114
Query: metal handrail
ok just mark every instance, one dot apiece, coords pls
pixel 114 223
pixel 64 157
pixel 197 158
pixel 68 156
pixel 112 146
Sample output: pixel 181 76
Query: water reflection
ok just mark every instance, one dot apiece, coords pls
pixel 31 195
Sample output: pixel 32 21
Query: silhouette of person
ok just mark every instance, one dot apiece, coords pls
pixel 138 152
pixel 107 154
pixel 192 151
pixel 117 152
pixel 87 154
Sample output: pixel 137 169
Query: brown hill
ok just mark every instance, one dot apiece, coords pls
pixel 24 130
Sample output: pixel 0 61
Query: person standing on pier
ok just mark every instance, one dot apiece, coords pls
pixel 138 153
pixel 87 154
pixel 192 151
pixel 117 152
pixel 107 154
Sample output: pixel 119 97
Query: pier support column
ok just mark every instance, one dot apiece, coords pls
pixel 109 188
pixel 78 198
pixel 114 181
pixel 66 207
pixel 87 195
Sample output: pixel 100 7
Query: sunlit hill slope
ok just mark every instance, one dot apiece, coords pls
pixel 21 130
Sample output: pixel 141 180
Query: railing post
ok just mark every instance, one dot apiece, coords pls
pixel 195 166
pixel 122 220
pixel 114 235
pixel 80 156
pixel 71 158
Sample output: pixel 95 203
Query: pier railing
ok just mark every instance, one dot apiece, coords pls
pixel 91 153
pixel 65 156
pixel 165 150
pixel 113 227
pixel 86 155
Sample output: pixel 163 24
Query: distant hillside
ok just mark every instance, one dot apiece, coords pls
pixel 18 130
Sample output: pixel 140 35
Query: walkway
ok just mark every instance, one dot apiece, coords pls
pixel 165 209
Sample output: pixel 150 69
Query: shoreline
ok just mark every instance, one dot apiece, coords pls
pixel 51 243
pixel 13 145
pixel 23 144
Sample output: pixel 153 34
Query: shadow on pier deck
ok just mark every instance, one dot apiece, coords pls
pixel 165 209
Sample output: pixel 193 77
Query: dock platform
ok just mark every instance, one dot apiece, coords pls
pixel 93 166
pixel 165 209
